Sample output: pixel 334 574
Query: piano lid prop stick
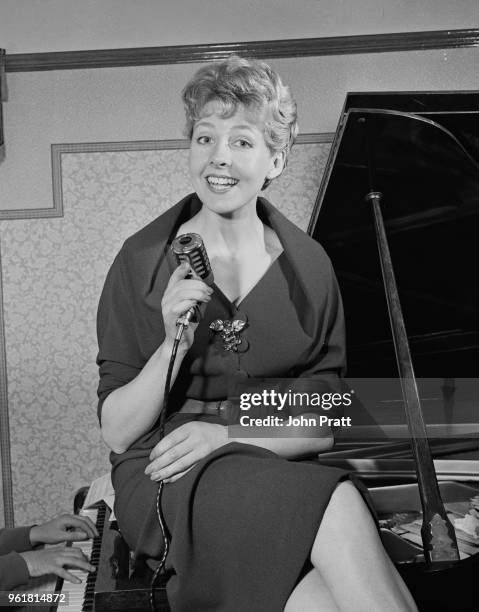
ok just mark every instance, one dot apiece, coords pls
pixel 438 536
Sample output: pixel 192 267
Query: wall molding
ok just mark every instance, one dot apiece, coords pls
pixel 264 49
pixel 5 453
pixel 11 214
pixel 29 213
pixel 58 150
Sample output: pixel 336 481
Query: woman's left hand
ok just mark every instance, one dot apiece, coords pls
pixel 180 450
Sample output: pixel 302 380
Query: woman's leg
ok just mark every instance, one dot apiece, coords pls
pixel 311 594
pixel 350 558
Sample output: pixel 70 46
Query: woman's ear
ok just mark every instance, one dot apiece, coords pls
pixel 277 165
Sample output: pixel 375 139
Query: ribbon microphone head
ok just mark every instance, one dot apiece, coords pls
pixel 190 248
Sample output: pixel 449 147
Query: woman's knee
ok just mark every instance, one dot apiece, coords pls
pixel 346 499
pixel 345 517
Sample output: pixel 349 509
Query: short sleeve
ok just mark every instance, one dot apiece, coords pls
pixel 327 357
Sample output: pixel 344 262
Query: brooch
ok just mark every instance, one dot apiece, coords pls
pixel 229 331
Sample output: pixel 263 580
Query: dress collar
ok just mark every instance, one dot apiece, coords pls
pixel 296 244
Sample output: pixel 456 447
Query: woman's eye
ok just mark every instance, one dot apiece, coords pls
pixel 203 139
pixel 243 143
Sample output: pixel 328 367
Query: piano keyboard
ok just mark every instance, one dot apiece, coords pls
pixel 80 596
pixel 112 587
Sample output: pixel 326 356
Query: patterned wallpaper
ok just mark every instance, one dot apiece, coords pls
pixel 53 272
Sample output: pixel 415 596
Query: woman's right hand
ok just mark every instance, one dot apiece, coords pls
pixel 182 293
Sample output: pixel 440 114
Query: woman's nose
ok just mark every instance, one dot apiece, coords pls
pixel 221 156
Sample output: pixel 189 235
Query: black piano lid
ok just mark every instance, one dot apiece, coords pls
pixel 421 150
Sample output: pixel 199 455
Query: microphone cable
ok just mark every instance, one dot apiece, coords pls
pixel 166 543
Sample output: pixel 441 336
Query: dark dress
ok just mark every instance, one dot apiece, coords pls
pixel 242 522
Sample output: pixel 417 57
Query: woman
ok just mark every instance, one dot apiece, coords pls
pixel 249 529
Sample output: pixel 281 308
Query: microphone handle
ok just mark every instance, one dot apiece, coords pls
pixel 192 315
pixel 190 248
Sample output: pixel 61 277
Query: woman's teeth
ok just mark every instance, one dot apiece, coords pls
pixel 223 181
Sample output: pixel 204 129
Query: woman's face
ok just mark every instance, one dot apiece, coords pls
pixel 229 160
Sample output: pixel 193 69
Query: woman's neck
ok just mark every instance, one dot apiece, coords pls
pixel 229 235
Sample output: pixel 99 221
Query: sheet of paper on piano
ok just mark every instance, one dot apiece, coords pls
pixel 457 511
pixel 101 489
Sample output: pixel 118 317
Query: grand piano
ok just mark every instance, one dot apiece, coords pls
pixel 420 153
pixel 398 213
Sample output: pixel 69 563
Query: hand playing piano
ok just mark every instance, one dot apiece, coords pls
pixel 64 528
pixel 55 560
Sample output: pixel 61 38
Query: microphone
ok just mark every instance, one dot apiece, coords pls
pixel 190 248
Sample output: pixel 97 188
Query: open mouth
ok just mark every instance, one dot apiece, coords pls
pixel 221 183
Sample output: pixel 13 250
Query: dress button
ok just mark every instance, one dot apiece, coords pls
pixel 243 346
pixel 240 373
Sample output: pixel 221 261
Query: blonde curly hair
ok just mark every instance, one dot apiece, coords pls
pixel 252 84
